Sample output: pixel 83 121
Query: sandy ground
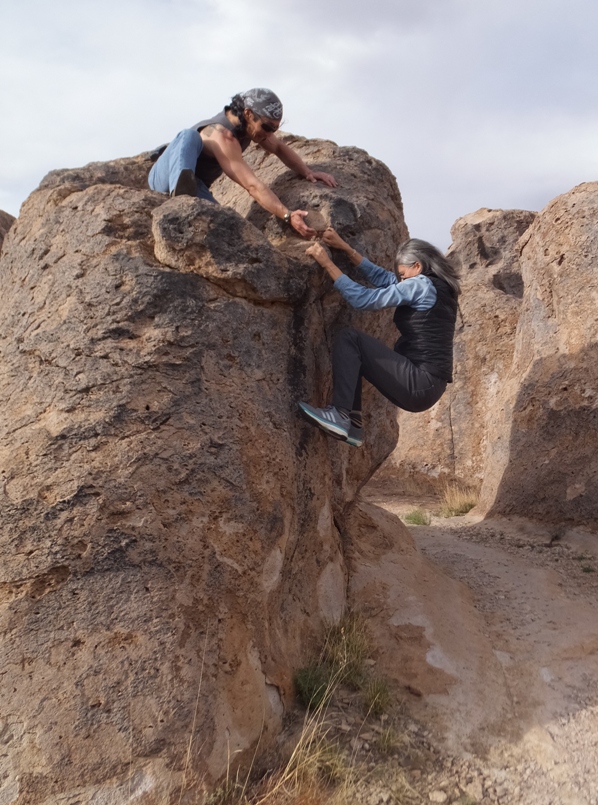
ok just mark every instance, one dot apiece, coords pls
pixel 511 629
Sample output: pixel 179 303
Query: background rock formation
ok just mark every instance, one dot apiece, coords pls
pixel 450 440
pixel 521 415
pixel 543 444
pixel 170 528
pixel 6 221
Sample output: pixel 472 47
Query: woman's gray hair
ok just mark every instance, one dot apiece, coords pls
pixel 432 261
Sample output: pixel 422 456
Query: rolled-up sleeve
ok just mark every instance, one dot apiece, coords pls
pixel 417 292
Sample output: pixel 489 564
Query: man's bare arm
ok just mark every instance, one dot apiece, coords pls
pixel 220 144
pixel 293 161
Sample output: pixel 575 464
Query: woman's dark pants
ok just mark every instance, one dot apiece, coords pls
pixel 356 355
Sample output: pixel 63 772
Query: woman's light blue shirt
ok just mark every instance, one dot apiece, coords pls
pixel 416 292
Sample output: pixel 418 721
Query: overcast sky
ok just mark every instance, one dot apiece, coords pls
pixel 471 103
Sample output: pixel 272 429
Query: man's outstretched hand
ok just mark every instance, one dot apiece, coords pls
pixel 299 224
pixel 319 176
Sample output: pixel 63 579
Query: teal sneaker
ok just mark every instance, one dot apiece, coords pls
pixel 328 419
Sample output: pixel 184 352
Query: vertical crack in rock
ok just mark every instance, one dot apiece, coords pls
pixel 452 451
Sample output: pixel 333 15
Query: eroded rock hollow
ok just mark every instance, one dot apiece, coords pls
pixel 170 527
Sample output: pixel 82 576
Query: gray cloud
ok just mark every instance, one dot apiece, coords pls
pixel 470 104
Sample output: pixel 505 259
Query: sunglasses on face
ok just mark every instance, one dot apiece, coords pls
pixel 267 127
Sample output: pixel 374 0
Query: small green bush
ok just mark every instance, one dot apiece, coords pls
pixel 314 685
pixel 418 517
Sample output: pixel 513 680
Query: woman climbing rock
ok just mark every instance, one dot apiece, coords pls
pixel 424 289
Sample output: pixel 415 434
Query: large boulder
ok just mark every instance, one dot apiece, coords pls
pixel 170 528
pixel 543 440
pixel 6 221
pixel 449 441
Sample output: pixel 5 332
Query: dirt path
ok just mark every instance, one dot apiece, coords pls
pixel 511 625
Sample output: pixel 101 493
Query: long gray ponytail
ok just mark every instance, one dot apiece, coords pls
pixel 431 259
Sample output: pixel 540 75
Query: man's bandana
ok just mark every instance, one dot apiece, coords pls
pixel 263 102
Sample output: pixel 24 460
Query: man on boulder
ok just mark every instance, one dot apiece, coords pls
pixel 199 155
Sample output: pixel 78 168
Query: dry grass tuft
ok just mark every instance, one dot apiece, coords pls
pixel 318 772
pixel 341 661
pixel 346 648
pixel 457 499
pixel 387 742
pixel 376 697
pixel 230 792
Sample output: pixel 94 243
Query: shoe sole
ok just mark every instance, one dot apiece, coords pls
pixel 328 428
pixel 186 184
pixel 355 436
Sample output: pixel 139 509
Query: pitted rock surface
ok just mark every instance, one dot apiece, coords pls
pixel 170 527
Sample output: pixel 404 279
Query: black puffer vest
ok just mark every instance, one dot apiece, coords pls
pixel 207 168
pixel 427 335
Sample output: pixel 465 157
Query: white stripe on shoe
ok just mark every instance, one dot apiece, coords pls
pixel 328 419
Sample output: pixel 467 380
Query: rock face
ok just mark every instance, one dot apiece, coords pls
pixel 6 221
pixel 543 444
pixel 170 528
pixel 451 439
